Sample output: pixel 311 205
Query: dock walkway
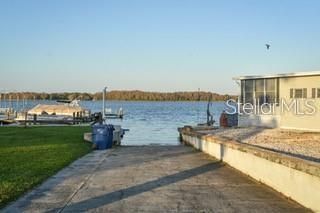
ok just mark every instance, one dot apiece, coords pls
pixel 152 179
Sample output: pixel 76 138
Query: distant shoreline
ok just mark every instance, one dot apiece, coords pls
pixel 117 95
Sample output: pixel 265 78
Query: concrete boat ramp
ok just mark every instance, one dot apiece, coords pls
pixel 152 179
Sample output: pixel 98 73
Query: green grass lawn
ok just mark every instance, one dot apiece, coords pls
pixel 29 156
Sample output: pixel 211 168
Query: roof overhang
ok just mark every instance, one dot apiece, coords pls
pixel 285 75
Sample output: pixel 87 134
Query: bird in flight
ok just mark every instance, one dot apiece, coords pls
pixel 268 46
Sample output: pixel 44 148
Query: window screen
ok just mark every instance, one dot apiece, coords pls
pixel 298 93
pixel 248 90
pixel 242 91
pixel 313 95
pixel 270 90
pixel 304 95
pixel 259 90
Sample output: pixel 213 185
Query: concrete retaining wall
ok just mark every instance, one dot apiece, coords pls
pixel 294 177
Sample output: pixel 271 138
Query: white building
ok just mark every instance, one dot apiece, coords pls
pixel 289 101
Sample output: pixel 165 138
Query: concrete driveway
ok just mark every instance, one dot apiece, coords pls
pixel 152 179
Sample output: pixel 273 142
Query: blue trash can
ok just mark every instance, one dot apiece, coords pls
pixel 102 136
pixel 110 130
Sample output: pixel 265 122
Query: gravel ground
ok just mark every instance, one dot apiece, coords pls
pixel 297 143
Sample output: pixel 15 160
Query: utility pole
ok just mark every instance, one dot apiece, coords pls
pixel 103 102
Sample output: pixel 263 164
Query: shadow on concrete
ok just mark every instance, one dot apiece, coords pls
pixel 151 153
pixel 121 194
pixel 80 169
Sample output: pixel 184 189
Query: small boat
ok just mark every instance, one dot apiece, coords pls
pixel 6 121
pixel 110 115
pixel 66 112
pixel 7 116
pixel 71 108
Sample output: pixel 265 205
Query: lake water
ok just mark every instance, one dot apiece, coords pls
pixel 149 122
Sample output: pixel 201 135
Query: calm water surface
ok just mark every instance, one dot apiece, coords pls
pixel 150 122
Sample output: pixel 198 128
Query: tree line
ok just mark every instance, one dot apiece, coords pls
pixel 134 95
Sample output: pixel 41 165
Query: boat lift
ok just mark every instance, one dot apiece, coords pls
pixel 107 112
pixel 101 118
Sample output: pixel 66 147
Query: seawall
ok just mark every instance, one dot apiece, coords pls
pixel 296 178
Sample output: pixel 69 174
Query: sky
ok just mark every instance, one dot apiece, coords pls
pixel 163 45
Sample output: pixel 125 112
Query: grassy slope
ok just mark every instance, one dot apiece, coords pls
pixel 29 156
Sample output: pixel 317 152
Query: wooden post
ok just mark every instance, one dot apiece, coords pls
pixel 77 117
pixel 74 117
pixel 80 116
pixel 25 119
pixel 35 119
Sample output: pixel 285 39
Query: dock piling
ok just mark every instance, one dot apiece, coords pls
pixel 34 119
